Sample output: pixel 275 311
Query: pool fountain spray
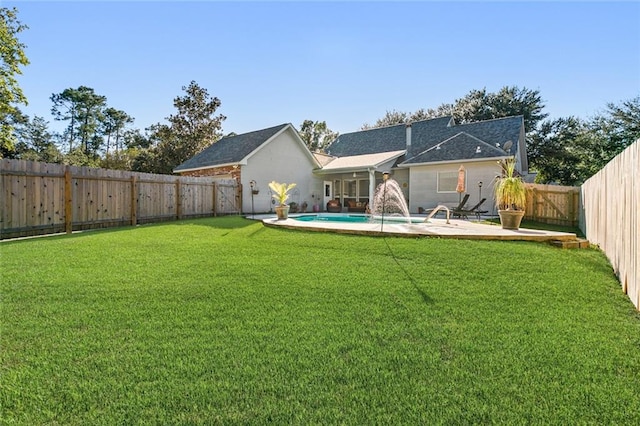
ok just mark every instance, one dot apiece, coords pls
pixel 389 201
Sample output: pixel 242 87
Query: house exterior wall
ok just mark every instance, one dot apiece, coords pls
pixel 402 177
pixel 423 185
pixel 283 159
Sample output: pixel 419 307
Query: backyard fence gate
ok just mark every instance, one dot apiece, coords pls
pixel 553 204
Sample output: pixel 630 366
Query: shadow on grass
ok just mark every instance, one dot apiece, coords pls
pixel 219 222
pixel 425 297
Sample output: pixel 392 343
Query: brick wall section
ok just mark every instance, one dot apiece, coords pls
pixel 215 171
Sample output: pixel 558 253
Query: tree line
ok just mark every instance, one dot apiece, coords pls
pixel 565 150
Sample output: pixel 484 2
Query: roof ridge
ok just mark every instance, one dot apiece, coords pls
pixel 260 130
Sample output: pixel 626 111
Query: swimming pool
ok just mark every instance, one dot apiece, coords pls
pixel 355 218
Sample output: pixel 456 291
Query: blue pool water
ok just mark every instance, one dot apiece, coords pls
pixel 353 218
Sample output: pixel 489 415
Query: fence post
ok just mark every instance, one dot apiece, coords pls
pixel 134 200
pixel 68 202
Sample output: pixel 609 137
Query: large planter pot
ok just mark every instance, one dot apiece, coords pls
pixel 282 212
pixel 510 219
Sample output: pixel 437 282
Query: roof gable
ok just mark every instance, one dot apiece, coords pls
pixel 460 147
pixel 429 133
pixel 230 149
pixel 359 162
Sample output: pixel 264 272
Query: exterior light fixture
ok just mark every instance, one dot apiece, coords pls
pixel 254 191
pixel 478 150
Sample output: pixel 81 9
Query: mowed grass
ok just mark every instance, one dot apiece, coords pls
pixel 224 321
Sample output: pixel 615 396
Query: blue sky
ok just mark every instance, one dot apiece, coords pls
pixel 346 63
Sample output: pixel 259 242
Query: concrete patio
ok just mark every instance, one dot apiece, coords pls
pixel 456 228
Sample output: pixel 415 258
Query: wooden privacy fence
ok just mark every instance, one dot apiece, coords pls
pixel 42 198
pixel 554 204
pixel 611 199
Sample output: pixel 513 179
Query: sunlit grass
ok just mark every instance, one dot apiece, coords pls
pixel 224 321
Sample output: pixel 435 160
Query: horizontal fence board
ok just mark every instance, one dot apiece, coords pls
pixel 43 198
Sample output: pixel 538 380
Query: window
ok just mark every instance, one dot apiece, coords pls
pixel 363 188
pixel 447 181
pixel 349 188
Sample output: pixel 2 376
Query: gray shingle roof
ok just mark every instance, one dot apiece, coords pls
pixel 427 134
pixel 230 149
pixel 383 139
pixel 458 147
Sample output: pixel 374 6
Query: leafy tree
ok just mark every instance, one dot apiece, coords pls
pixel 191 130
pixel 82 107
pixel 569 151
pixel 77 157
pixel 12 57
pixel 316 135
pixel 478 105
pixel 390 118
pixel 14 121
pixel 425 114
pixel 554 153
pixel 144 148
pixel 36 143
pixel 619 125
pixel 114 123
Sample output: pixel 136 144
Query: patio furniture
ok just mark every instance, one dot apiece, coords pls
pixel 357 206
pixel 460 206
pixel 464 213
pixel 334 206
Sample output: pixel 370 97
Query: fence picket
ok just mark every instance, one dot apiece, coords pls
pixel 44 198
pixel 610 218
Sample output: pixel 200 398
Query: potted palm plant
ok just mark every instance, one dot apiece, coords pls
pixel 511 195
pixel 281 194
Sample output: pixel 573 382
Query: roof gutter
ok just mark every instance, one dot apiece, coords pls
pixel 215 166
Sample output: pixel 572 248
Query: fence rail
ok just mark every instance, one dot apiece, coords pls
pixel 611 199
pixel 43 198
pixel 553 204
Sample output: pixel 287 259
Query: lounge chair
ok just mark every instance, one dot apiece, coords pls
pixel 334 206
pixel 464 213
pixel 452 209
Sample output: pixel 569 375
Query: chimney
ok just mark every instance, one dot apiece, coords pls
pixel 408 138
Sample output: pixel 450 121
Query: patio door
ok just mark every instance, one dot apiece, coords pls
pixel 327 193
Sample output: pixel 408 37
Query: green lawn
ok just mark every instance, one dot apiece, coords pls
pixel 223 321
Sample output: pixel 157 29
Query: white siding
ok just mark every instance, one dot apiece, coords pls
pixel 423 185
pixel 284 160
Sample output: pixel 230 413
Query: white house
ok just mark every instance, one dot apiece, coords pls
pixel 276 153
pixel 423 157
